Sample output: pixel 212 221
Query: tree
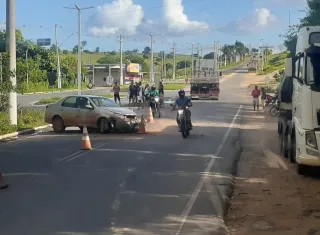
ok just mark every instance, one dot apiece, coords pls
pixel 146 51
pixel 97 49
pixel 75 49
pixel 83 44
pixel 53 48
pixel 170 55
pixel 169 66
pixel 312 18
pixel 183 64
pixel 209 56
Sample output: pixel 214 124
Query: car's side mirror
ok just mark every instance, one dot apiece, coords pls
pixel 89 107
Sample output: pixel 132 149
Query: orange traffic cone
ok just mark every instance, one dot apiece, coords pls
pixel 86 144
pixel 142 126
pixel 150 117
pixel 2 185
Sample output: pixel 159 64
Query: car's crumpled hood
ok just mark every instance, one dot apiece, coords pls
pixel 122 111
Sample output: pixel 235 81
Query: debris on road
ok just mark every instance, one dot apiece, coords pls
pixel 269 196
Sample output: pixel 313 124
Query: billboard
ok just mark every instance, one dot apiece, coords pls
pixel 133 68
pixel 44 42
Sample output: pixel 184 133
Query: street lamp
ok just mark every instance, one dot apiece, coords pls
pixel 58 57
pixel 79 42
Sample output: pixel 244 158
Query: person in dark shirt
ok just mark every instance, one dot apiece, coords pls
pixel 132 93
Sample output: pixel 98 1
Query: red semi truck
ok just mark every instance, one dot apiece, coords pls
pixel 205 88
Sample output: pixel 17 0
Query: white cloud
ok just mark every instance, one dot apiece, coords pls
pixel 177 21
pixel 120 16
pixel 123 16
pixel 260 20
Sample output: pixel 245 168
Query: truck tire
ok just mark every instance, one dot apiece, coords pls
pixel 302 169
pixel 283 141
pixel 292 147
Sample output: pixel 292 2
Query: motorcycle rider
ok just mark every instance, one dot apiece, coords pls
pixel 180 102
pixel 153 92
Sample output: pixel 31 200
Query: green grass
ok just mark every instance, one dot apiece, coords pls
pixel 50 100
pixel 27 118
pixel 44 87
pixel 275 63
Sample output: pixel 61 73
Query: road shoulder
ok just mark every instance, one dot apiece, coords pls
pixel 269 197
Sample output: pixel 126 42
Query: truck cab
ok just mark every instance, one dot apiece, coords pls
pixel 299 96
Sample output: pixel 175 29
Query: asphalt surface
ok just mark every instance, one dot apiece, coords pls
pixel 156 183
pixel 29 99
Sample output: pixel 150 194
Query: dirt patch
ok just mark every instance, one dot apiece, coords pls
pixel 269 196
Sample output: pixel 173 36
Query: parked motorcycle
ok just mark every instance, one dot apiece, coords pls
pixel 185 124
pixel 155 106
pixel 270 99
pixel 275 109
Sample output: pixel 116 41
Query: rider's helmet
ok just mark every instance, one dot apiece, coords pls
pixel 181 93
pixel 153 88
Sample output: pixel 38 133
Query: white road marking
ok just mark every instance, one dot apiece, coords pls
pixel 84 152
pixel 78 152
pixel 196 191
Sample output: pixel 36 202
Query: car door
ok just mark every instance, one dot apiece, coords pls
pixel 85 116
pixel 68 110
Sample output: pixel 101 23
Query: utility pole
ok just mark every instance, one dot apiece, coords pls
pixel 121 61
pixel 11 49
pixel 192 68
pixel 185 68
pixel 58 58
pixel 174 62
pixel 151 78
pixel 164 65
pixel 27 65
pixel 1 78
pixel 79 43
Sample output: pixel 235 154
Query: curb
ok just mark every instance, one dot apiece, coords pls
pixel 50 92
pixel 27 131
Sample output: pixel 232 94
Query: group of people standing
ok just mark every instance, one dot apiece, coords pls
pixel 139 94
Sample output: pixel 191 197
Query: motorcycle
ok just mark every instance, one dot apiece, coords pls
pixel 270 99
pixel 185 125
pixel 155 105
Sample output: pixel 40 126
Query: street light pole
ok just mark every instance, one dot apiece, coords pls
pixel 121 61
pixel 79 42
pixel 151 78
pixel 58 58
pixel 11 49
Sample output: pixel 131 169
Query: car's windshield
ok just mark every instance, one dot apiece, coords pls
pixel 313 68
pixel 104 102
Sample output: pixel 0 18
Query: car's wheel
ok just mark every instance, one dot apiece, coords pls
pixel 104 126
pixel 58 125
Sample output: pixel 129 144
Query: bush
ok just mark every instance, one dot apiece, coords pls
pixel 5 126
pixel 27 118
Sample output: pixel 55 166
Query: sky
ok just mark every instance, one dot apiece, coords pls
pixel 179 22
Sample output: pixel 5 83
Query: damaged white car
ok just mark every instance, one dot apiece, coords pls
pixel 95 112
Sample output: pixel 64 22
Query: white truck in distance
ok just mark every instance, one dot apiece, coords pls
pixel 299 96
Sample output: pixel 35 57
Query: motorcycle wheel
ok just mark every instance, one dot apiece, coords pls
pixel 273 111
pixel 184 131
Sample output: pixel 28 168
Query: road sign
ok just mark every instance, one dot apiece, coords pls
pixel 44 42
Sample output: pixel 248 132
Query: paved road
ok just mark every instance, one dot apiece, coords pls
pixel 157 183
pixel 27 100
